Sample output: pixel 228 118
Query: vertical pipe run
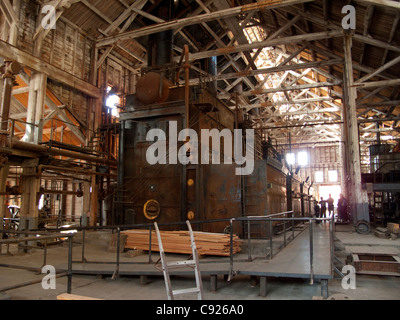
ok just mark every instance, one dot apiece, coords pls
pixel 284 233
pixel 271 254
pixel 249 240
pixel 83 245
pixel 150 245
pixel 292 226
pixel 231 251
pixel 187 92
pixel 332 244
pixel 118 211
pixel 311 254
pixel 69 284
pixel 45 253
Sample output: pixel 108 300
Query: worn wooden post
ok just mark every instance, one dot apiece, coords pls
pixel 357 196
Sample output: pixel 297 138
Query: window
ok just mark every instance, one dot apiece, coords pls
pixel 333 176
pixel 319 176
pixel 112 102
pixel 302 158
pixel 290 159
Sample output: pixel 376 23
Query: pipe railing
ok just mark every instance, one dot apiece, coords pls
pixel 31 236
pixel 256 218
pixel 293 219
pixel 118 228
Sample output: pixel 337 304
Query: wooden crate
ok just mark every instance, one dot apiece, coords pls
pixel 376 263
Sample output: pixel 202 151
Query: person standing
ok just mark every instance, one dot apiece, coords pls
pixel 323 207
pixel 342 209
pixel 331 208
pixel 316 210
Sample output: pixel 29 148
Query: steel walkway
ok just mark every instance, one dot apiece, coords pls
pixel 296 260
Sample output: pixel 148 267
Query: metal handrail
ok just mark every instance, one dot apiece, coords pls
pixel 35 236
pixel 270 218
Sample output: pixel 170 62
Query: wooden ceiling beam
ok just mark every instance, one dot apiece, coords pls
pixel 171 25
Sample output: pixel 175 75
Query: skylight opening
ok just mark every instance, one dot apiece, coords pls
pixel 113 102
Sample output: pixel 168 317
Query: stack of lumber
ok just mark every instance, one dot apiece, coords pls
pixel 215 244
pixel 382 233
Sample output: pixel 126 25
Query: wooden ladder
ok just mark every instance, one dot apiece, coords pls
pixel 194 262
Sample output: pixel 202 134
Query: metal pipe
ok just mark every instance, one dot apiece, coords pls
pixel 311 254
pixel 117 210
pixel 292 225
pixel 187 92
pixel 271 253
pixel 331 238
pixel 65 192
pixel 231 251
pixel 83 245
pixel 75 170
pixel 69 283
pixel 150 261
pixel 57 152
pixel 249 240
pixel 45 254
pixel 284 233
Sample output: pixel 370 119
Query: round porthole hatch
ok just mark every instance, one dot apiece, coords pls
pixel 151 209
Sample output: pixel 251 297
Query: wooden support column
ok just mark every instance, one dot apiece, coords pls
pixel 8 72
pixel 93 202
pixel 10 68
pixel 30 184
pixel 36 101
pixel 13 37
pixel 358 198
pixel 342 158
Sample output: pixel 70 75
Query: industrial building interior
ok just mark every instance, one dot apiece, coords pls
pixel 309 91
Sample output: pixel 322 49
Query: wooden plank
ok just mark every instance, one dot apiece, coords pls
pixel 66 296
pixel 9 12
pixel 179 242
pixel 176 24
pixel 267 43
pixel 385 3
pixel 10 52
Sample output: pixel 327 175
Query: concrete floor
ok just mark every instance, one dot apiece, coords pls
pixel 240 288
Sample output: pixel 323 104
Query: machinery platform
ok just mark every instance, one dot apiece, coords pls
pixel 293 261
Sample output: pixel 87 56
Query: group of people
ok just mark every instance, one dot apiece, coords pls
pixel 320 208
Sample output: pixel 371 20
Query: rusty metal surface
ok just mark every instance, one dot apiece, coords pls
pixel 196 192
pixel 222 195
pixel 152 88
pixel 276 196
